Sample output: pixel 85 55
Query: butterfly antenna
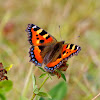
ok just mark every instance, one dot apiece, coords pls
pixel 60 33
pixel 73 38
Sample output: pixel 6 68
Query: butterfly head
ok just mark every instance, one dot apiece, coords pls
pixel 63 42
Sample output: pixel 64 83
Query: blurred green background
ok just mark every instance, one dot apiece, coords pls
pixel 76 18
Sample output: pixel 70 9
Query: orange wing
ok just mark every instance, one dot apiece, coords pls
pixel 38 36
pixel 68 51
pixel 35 55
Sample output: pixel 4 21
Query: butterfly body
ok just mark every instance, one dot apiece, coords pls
pixel 46 50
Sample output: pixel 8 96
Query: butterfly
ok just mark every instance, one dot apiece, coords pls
pixel 46 50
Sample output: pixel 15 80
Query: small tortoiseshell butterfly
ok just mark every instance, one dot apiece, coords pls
pixel 46 50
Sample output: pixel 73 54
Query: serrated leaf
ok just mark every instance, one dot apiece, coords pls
pixel 43 75
pixel 8 68
pixel 23 98
pixel 5 86
pixel 59 91
pixel 42 69
pixel 34 81
pixel 63 76
pixel 43 94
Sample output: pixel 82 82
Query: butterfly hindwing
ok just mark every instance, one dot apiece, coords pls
pixel 35 55
pixel 68 50
pixel 38 36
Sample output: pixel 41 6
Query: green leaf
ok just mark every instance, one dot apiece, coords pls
pixel 43 94
pixel 34 81
pixel 2 96
pixel 67 64
pixel 63 76
pixel 42 69
pixel 35 88
pixel 36 91
pixel 23 98
pixel 41 98
pixel 59 91
pixel 50 76
pixel 5 86
pixel 43 75
pixel 37 97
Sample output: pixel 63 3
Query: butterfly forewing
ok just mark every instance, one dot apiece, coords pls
pixel 37 36
pixel 70 50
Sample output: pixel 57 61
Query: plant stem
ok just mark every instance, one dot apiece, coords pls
pixel 27 81
pixel 96 96
pixel 43 82
pixel 33 96
pixel 39 87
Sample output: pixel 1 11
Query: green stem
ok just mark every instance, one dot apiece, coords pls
pixel 43 82
pixel 39 87
pixel 33 96
pixel 27 81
